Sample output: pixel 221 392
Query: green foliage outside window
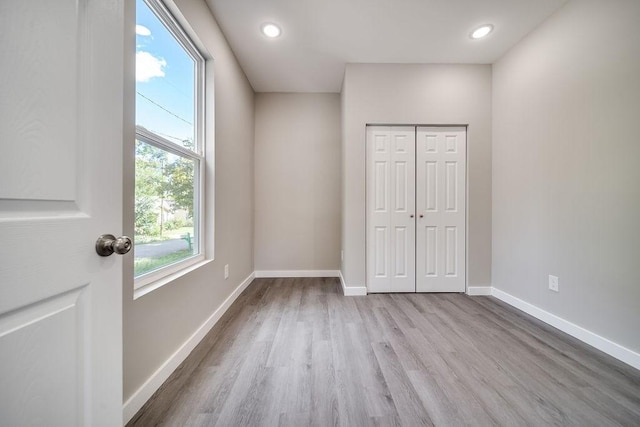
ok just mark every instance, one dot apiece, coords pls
pixel 164 184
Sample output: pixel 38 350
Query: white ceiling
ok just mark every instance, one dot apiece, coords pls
pixel 320 36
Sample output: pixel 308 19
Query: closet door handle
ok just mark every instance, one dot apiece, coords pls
pixel 411 216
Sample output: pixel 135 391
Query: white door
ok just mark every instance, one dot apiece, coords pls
pixel 440 199
pixel 61 110
pixel 390 209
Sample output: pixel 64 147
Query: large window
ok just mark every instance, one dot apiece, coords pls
pixel 169 151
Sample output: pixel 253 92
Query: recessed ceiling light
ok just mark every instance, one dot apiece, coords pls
pixel 271 30
pixel 482 31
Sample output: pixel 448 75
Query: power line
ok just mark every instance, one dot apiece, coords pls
pixel 161 107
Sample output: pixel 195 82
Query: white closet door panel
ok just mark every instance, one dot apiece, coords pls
pixel 381 253
pixel 440 199
pixel 429 238
pixel 390 209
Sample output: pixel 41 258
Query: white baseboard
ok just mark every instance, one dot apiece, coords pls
pixel 479 290
pixel 351 291
pixel 615 350
pixel 344 286
pixel 263 274
pixel 140 397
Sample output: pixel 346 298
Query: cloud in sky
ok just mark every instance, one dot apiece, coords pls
pixel 141 30
pixel 148 66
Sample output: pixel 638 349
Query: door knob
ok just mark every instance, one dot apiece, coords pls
pixel 411 216
pixel 421 216
pixel 108 244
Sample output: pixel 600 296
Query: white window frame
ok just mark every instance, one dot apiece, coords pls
pixel 159 277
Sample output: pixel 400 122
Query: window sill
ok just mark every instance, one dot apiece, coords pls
pixel 152 286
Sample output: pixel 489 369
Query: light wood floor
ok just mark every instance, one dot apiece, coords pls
pixel 295 352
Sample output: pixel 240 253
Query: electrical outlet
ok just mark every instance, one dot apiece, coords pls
pixel 553 283
pixel 226 271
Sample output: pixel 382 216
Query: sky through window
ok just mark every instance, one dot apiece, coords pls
pixel 165 86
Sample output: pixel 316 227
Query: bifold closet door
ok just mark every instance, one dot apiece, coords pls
pixel 441 209
pixel 391 209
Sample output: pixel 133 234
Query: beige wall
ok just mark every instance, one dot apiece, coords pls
pixel 417 94
pixel 297 181
pixel 157 324
pixel 566 173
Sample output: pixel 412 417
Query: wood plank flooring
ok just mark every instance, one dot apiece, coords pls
pixel 295 352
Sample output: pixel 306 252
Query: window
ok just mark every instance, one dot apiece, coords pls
pixel 169 146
